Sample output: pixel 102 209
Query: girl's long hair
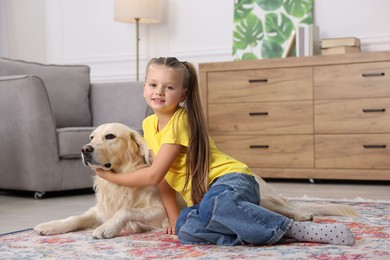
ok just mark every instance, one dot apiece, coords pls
pixel 198 152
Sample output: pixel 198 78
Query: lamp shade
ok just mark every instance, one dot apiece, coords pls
pixel 147 11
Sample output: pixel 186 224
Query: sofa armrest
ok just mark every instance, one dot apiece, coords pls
pixel 27 128
pixel 121 102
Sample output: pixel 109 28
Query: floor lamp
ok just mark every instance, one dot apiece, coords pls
pixel 138 11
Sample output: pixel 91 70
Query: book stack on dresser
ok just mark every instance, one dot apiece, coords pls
pixel 319 117
pixel 340 45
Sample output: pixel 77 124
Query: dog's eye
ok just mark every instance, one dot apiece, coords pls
pixel 91 137
pixel 110 136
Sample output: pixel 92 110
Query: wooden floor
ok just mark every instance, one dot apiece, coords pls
pixel 22 211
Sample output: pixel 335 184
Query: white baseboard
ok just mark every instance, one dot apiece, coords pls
pixel 117 68
pixel 121 67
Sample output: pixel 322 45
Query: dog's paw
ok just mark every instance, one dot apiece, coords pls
pixel 48 228
pixel 104 231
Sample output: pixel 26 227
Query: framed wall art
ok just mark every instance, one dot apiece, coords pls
pixel 266 28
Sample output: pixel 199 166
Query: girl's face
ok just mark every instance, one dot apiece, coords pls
pixel 163 90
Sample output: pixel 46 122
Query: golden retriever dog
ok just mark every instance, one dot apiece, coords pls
pixel 271 200
pixel 120 149
pixel 118 208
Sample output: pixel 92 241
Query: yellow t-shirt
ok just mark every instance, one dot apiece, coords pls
pixel 176 132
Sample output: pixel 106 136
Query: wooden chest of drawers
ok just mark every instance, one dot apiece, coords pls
pixel 321 117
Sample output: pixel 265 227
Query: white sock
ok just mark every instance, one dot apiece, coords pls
pixel 337 234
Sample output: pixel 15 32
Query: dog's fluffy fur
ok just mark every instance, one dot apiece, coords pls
pixel 271 200
pixel 118 208
pixel 120 149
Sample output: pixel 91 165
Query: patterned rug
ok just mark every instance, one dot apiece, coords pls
pixel 372 232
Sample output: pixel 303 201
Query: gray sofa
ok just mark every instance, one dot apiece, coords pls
pixel 47 113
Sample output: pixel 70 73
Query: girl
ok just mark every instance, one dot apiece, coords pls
pixel 221 193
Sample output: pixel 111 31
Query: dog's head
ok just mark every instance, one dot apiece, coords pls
pixel 115 147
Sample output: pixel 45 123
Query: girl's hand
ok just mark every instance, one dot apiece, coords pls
pixel 103 173
pixel 171 229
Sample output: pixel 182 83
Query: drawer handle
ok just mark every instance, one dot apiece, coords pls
pixel 380 74
pixel 374 110
pixel 258 146
pixel 258 113
pixel 258 80
pixel 374 146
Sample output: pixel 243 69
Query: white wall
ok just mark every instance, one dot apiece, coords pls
pixel 3 29
pixel 83 31
pixel 25 21
pixel 369 20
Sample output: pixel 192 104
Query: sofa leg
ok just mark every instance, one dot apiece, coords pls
pixel 39 195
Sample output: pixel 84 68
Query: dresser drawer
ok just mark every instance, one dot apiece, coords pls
pixel 364 80
pixel 264 118
pixel 365 151
pixel 260 85
pixel 269 151
pixel 352 116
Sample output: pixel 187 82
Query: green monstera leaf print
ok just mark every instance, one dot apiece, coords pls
pixel 248 32
pixel 249 56
pixel 262 28
pixel 307 20
pixel 278 27
pixel 242 9
pixel 298 8
pixel 271 49
pixel 269 5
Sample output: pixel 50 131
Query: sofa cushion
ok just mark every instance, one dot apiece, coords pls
pixel 71 139
pixel 129 107
pixel 67 86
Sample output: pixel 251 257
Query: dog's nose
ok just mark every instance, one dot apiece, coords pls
pixel 87 149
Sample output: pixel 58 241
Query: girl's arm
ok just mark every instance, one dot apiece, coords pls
pixel 168 197
pixel 148 176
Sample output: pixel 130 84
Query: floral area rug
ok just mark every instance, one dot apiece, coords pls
pixel 372 232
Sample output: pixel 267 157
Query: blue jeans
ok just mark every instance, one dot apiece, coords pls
pixel 229 214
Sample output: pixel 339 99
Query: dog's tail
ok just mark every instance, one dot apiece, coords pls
pixel 327 209
pixel 272 200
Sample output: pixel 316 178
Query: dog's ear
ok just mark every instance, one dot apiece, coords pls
pixel 142 146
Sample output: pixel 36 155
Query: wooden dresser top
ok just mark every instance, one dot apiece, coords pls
pixel 296 61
